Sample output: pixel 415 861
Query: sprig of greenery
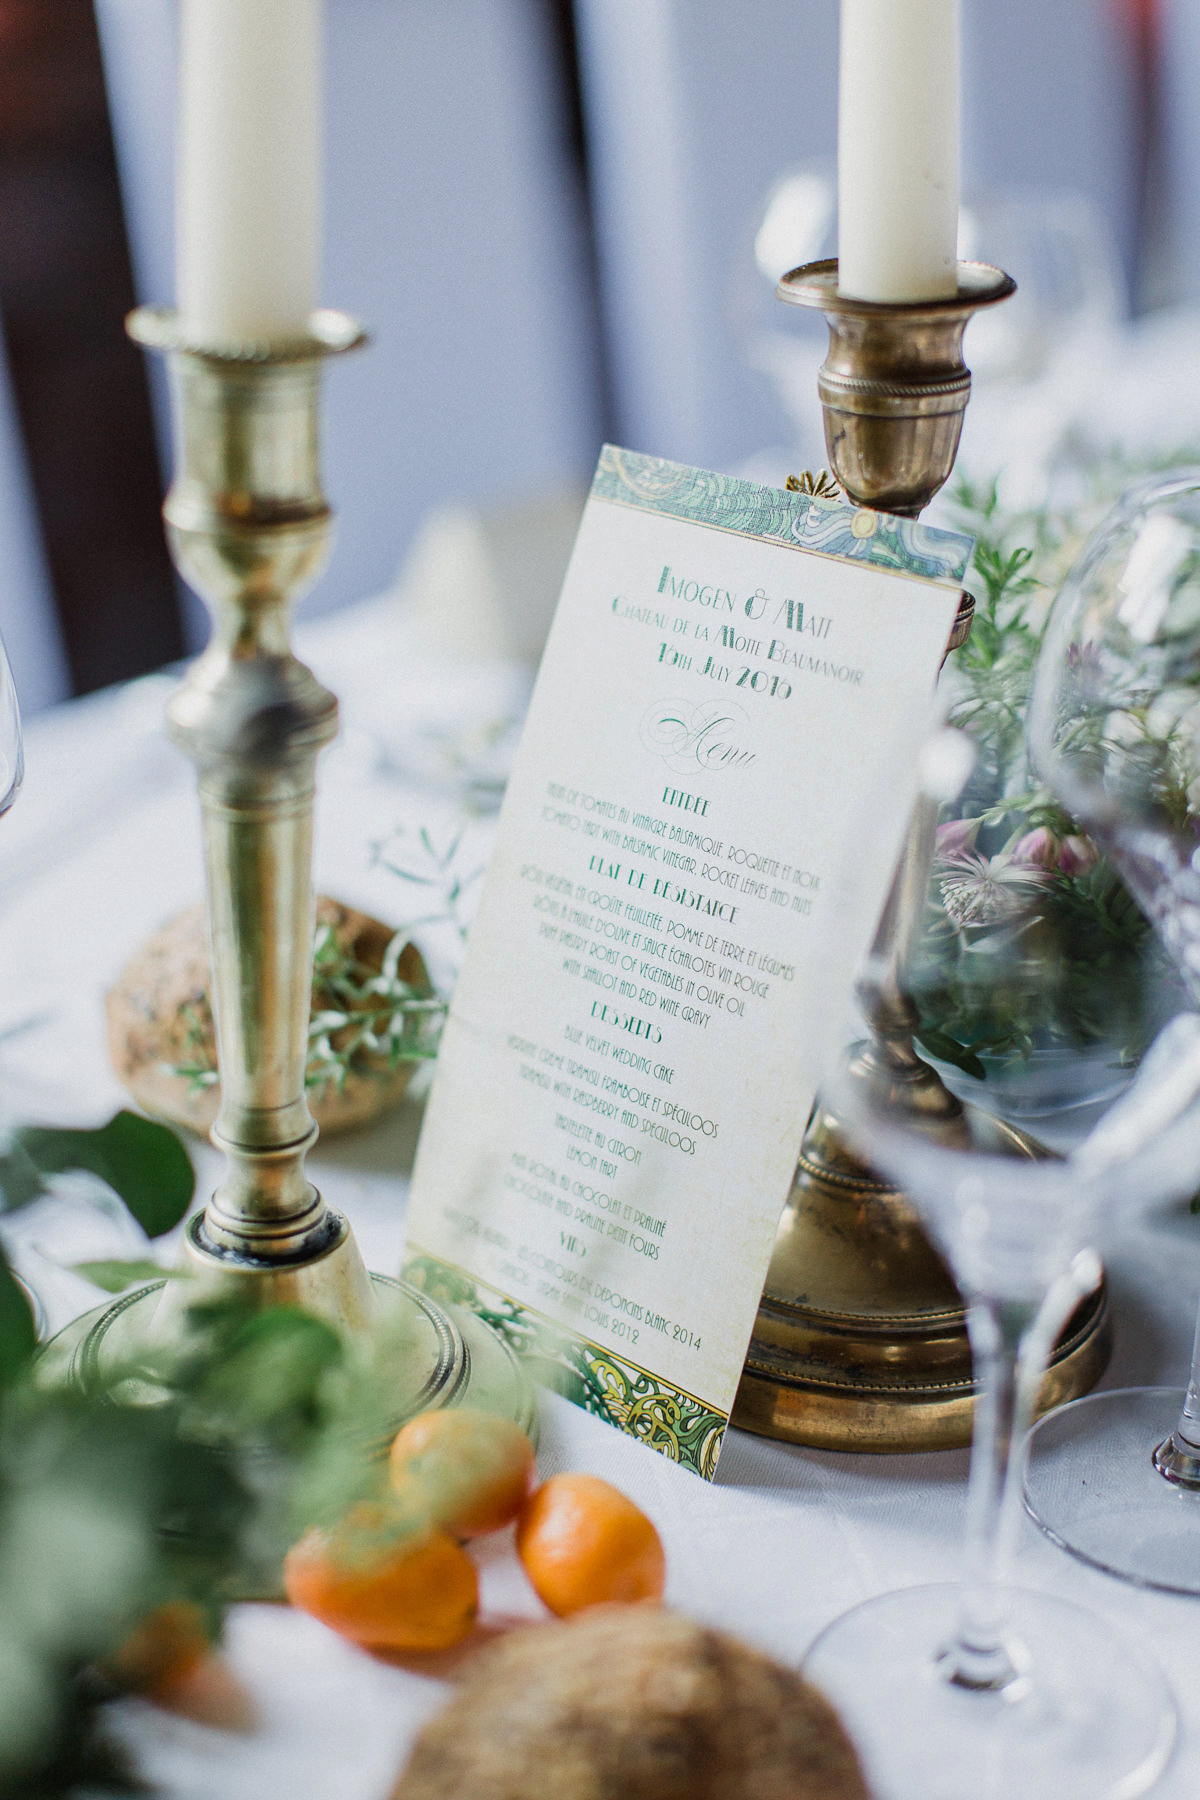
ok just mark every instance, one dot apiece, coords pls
pixel 426 864
pixel 199 1068
pixel 78 1562
pixel 992 670
pixel 1109 951
pixel 362 1019
pixel 112 1507
pixel 142 1162
pixel 177 1476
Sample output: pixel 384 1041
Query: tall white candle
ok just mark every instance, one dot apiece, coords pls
pixel 898 149
pixel 249 178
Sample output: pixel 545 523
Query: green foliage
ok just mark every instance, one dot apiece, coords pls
pixel 141 1160
pixel 1096 954
pixel 199 1069
pixel 939 1044
pixel 143 1163
pixel 96 1500
pixel 179 1474
pixel 418 860
pixel 362 1020
pixel 18 1334
pixel 175 1476
pixel 1080 982
pixel 363 1017
pixel 991 672
pixel 21 1181
pixel 115 1276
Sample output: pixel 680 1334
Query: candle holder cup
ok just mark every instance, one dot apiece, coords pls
pixel 249 526
pixel 894 386
pixel 861 1341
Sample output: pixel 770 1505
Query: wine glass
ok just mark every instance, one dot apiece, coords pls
pixel 1114 728
pixel 12 773
pixel 983 1688
pixel 12 756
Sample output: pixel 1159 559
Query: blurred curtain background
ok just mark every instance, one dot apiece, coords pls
pixel 554 219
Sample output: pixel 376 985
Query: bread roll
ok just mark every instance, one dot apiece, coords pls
pixel 631 1703
pixel 160 1021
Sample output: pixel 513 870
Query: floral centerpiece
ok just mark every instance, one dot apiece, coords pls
pixel 1007 847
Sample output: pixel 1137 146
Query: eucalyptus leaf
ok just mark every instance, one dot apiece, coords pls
pixel 114 1509
pixel 18 1334
pixel 20 1178
pixel 947 1049
pixel 142 1161
pixel 114 1276
pixel 270 1370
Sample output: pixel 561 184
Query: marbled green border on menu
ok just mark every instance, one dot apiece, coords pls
pixel 674 1423
pixel 776 516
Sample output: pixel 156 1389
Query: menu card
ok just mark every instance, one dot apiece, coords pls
pixel 698 836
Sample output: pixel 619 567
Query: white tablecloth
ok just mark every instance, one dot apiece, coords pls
pixel 100 849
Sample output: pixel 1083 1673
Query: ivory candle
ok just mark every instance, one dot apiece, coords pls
pixel 898 149
pixel 249 177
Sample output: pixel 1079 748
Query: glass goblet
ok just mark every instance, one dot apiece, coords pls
pixel 1114 729
pixel 985 1689
pixel 12 758
pixel 12 772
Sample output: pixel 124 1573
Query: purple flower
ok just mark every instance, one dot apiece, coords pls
pixel 1077 854
pixel 1037 849
pixel 956 835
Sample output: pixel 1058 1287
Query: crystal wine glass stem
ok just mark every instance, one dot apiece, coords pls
pixel 1011 1342
pixel 1178 1457
pixel 1189 1420
pixel 978 1657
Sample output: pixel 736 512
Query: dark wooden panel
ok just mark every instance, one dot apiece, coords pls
pixel 81 394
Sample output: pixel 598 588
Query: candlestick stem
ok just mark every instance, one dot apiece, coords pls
pixel 249 525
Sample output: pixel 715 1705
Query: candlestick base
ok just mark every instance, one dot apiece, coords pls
pixel 439 1355
pixel 861 1341
pixel 426 1356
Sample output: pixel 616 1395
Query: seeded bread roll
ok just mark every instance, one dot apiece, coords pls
pixel 631 1703
pixel 160 1022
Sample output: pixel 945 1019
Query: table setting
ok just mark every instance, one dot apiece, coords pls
pixel 755 1063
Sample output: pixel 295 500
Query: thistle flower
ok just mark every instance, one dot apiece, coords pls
pixel 982 890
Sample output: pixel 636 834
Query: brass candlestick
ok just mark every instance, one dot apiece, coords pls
pixel 249 526
pixel 860 1341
